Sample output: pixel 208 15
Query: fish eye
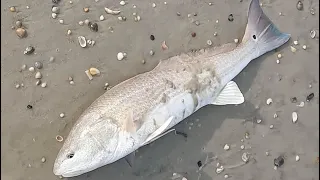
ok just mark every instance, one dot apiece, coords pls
pixel 254 37
pixel 69 156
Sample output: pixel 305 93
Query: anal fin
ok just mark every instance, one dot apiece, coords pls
pixel 230 94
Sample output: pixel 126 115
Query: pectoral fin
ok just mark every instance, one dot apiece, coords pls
pixel 230 94
pixel 157 134
pixel 130 158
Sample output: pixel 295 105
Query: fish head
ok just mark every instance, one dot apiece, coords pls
pixel 92 143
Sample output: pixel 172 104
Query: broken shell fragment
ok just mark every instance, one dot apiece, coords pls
pixel 21 33
pixel 38 75
pixel 219 169
pixel 44 84
pixel 59 138
pixel 55 9
pixel 137 18
pixel 12 9
pixel 94 71
pixel 122 3
pixel 93 26
pixel 304 47
pixel 297 158
pixel 101 18
pixel 164 46
pixel 88 74
pixel 295 42
pixel 29 50
pixel 245 157
pixel 294 117
pixel 269 101
pixel 299 5
pixel 301 104
pixel 113 12
pixel 293 49
pixel 82 41
pixel 38 65
pixel 209 42
pixel 54 15
pixel 226 147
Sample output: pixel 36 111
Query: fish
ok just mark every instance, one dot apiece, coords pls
pixel 143 108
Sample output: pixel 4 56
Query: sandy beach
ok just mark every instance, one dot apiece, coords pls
pixel 28 133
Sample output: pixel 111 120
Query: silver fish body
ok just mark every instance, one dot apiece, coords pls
pixel 140 109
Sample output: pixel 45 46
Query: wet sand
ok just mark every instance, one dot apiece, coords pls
pixel 27 135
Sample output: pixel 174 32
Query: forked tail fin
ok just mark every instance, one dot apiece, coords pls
pixel 261 30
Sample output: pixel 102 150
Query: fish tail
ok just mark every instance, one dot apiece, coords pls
pixel 261 30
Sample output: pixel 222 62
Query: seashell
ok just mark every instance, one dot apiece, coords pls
pixel 313 34
pixel 38 65
pixel 43 85
pixel 81 23
pixel 120 56
pixel 59 138
pixel 219 169
pixel 293 49
pixel 31 69
pixel 55 9
pixel 21 32
pixel 94 71
pixel 122 3
pixel 164 46
pixel 101 18
pixel 93 26
pixel 38 82
pixel 269 101
pixel 301 104
pixel 226 147
pixel 295 42
pixel 54 15
pixel 297 158
pixel 154 5
pixel 215 33
pixel 236 40
pixel 304 47
pixel 279 55
pixel 18 24
pixel 299 5
pixel 209 42
pixel 151 53
pixel 86 9
pixel 245 157
pixel 294 117
pixel 88 74
pixel 279 161
pixel 12 9
pixel 82 41
pixel 137 18
pixel 259 121
pixel 38 75
pixel 29 50
pixel 61 21
pixel 113 12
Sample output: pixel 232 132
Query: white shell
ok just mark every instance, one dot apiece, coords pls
pixel 242 147
pixel 44 85
pixel 301 104
pixel 271 126
pixel 279 56
pixel 297 158
pixel 278 61
pixel 69 32
pixel 55 9
pixel 31 69
pixel 269 101
pixel 61 21
pixel 120 56
pixel 293 49
pixel 226 176
pixel 259 121
pixel 38 75
pixel 304 47
pixel 122 3
pixel 294 117
pixel 219 169
pixel 82 41
pixel 137 18
pixel 295 42
pixel 154 5
pixel 54 15
pixel 245 157
pixel 113 12
pixel 61 115
pixel 236 40
pixel 88 74
pixel 313 34
pixel 81 23
pixel 226 147
pixel 101 18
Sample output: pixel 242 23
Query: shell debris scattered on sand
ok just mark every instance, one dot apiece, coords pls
pixel 110 11
pixel 82 41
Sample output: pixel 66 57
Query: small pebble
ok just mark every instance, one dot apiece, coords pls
pixel 299 5
pixel 61 21
pixel 215 34
pixel 152 37
pixel 12 9
pixel 259 121
pixel 217 21
pixel 226 147
pixel 226 176
pixel 93 26
pixel 17 86
pixel 70 78
pixel 278 61
pixel 280 13
pixel 122 3
pixel 137 18
pixel 54 15
pixel 304 47
pixel 21 33
pixel 295 42
pixel 271 126
pixel 69 32
pixel 38 65
pixel 143 61
pixel 62 115
pixel 120 56
pixel 279 56
pixel 197 23
pixel 81 23
pixel 23 67
pixel 210 3
pixel 31 69
pixel 43 159
pixel 279 161
pixel 165 2
pixel 269 101
pixel 193 34
pixel 293 49
pixel 230 17
pixel 18 24
pixel 209 42
pixel 309 97
pixel 246 135
pixel 154 5
pixel 29 106
pixel 297 158
pixel 55 9
pixel 44 84
pixel 38 75
pixel 71 82
pixel 151 53
pixel 101 18
pixel 51 59
pixel 236 40
pixel 86 9
pixel 70 2
pixel 267 153
pixel 242 147
pixel 29 50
